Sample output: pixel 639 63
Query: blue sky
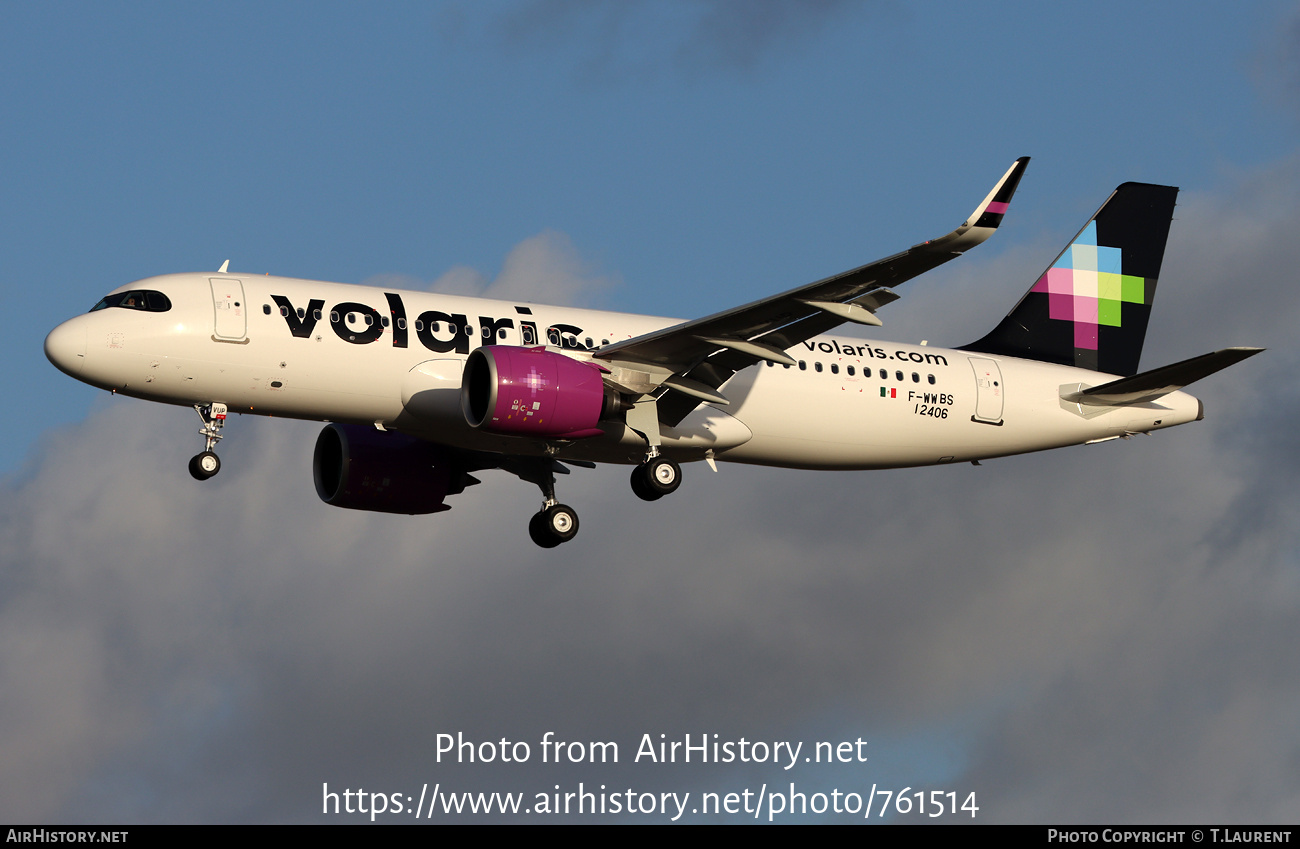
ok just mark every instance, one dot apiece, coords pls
pixel 701 161
pixel 214 654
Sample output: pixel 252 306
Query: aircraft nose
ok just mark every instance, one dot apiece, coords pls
pixel 66 347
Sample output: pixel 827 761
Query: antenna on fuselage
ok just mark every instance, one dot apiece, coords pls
pixel 224 266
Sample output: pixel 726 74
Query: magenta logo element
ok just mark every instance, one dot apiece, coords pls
pixel 533 381
pixel 1085 286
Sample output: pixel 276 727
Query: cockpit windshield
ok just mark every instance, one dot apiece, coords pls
pixel 141 299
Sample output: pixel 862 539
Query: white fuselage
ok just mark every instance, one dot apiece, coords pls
pixel 849 404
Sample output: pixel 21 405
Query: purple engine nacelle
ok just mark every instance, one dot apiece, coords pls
pixel 361 468
pixel 533 392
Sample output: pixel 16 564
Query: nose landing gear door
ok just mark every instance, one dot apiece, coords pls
pixel 231 312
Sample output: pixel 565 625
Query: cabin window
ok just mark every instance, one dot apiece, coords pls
pixel 419 326
pixel 916 378
pixel 316 314
pixel 553 336
pixel 835 369
pixel 529 335
pixel 884 375
pixel 818 367
pixel 501 334
pixel 850 369
pixel 266 309
pixel 334 316
pixel 931 378
pixel 383 319
pixel 401 324
pixel 898 375
pixel 302 313
pixel 803 366
pixel 604 342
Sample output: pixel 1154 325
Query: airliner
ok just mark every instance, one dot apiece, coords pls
pixel 421 390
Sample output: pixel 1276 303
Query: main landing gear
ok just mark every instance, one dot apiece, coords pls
pixel 557 523
pixel 207 463
pixel 656 477
pixel 554 523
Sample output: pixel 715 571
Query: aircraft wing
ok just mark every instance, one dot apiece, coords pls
pixel 694 358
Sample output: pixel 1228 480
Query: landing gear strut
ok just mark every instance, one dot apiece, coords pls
pixel 207 463
pixel 656 477
pixel 554 523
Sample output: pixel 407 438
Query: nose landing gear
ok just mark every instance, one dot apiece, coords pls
pixel 207 463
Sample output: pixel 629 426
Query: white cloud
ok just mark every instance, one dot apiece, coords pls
pixel 545 268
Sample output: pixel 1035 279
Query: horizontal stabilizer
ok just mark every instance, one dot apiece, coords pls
pixel 1150 385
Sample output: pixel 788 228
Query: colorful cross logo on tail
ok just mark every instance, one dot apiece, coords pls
pixel 1085 286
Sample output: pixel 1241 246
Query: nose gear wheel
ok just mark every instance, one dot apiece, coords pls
pixel 206 464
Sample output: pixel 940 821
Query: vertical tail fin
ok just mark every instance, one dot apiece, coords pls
pixel 1090 308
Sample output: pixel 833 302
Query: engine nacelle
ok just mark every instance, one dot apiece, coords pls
pixel 533 392
pixel 361 468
